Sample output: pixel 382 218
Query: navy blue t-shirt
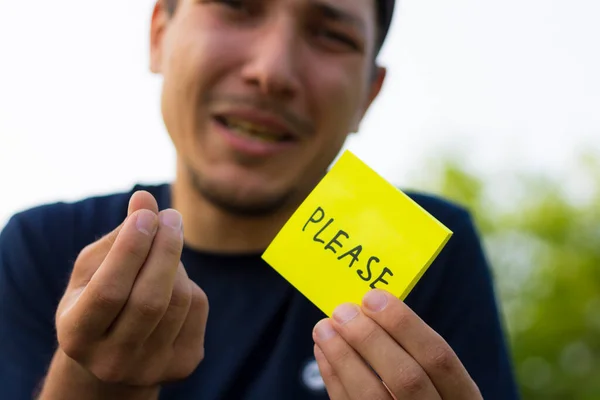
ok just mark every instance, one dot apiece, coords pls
pixel 259 333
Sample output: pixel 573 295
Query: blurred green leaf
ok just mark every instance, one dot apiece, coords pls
pixel 544 248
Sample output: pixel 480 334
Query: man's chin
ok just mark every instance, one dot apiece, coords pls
pixel 255 207
pixel 234 200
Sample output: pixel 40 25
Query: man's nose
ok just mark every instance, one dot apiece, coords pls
pixel 274 65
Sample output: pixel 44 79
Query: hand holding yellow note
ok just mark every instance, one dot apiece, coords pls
pixel 353 233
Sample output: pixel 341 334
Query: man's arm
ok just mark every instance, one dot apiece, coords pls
pixel 66 373
pixel 27 338
pixel 466 313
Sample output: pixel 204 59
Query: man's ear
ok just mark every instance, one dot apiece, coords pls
pixel 375 83
pixel 158 25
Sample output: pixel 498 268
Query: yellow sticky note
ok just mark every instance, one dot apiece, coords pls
pixel 355 232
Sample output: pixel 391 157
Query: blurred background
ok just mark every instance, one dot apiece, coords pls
pixel 493 104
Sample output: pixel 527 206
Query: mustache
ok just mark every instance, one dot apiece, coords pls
pixel 298 123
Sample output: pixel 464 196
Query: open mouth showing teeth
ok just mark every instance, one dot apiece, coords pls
pixel 253 131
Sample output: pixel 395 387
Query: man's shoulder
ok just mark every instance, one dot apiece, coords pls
pixel 77 222
pixel 448 212
pixel 459 257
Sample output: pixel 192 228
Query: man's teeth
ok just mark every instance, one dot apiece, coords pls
pixel 248 129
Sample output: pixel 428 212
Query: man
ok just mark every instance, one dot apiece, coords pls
pixel 101 299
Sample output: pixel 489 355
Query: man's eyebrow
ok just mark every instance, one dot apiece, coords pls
pixel 336 14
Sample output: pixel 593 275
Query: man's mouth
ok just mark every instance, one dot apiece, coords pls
pixel 254 131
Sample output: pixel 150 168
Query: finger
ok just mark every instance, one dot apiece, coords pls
pixel 106 293
pixel 427 347
pixel 153 287
pixel 142 200
pixel 169 326
pixel 357 378
pixel 92 255
pixel 189 345
pixel 90 258
pixel 402 375
pixel 333 384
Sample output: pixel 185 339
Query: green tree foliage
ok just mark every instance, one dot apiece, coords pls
pixel 542 238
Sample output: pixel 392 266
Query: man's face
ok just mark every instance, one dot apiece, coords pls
pixel 260 95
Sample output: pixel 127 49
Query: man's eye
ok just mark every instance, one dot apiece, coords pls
pixel 235 4
pixel 239 4
pixel 339 38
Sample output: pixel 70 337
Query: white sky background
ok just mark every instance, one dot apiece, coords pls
pixel 514 83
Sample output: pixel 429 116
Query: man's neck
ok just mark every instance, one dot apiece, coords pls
pixel 209 228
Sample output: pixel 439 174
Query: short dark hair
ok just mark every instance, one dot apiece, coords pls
pixel 170 5
pixel 385 9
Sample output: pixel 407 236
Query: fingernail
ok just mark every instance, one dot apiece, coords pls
pixel 171 218
pixel 146 222
pixel 375 300
pixel 324 330
pixel 345 313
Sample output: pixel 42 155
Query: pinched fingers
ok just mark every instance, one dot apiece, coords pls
pixel 90 313
pixel 153 288
pixel 169 326
pixel 427 347
pixel 92 256
pixel 189 344
pixel 130 314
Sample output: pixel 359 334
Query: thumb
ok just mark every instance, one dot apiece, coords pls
pixel 93 255
pixel 142 200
